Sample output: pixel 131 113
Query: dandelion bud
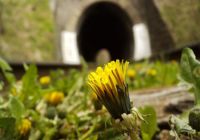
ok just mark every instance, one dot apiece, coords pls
pixel 55 97
pixel 194 119
pixel 24 127
pixel 45 80
pixel 131 73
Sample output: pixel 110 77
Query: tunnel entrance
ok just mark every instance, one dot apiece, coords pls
pixel 104 25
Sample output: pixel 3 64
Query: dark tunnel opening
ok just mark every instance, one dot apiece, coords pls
pixel 104 25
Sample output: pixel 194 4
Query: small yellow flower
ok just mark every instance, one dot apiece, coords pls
pixel 24 127
pixel 131 73
pixel 45 80
pixel 152 72
pixel 174 62
pixel 55 97
pixel 109 85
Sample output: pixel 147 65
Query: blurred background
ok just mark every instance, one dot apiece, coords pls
pixel 41 41
pixel 62 30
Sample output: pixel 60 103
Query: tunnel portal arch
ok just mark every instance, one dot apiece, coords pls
pixel 105 25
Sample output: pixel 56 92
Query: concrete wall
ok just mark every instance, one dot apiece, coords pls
pixel 69 14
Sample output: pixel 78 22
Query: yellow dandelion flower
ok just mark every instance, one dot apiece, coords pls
pixel 152 72
pixel 109 85
pixel 174 62
pixel 24 127
pixel 131 73
pixel 55 97
pixel 45 80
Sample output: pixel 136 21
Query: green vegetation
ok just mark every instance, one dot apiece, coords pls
pixel 148 128
pixel 182 18
pixel 152 74
pixel 189 123
pixel 28 31
pixel 60 103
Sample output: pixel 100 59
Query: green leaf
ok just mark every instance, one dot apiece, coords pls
pixel 7 128
pixel 149 126
pixel 10 77
pixel 7 71
pixel 146 136
pixel 1 85
pixel 29 80
pixel 30 88
pixel 4 65
pixel 16 107
pixel 180 126
pixel 190 71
